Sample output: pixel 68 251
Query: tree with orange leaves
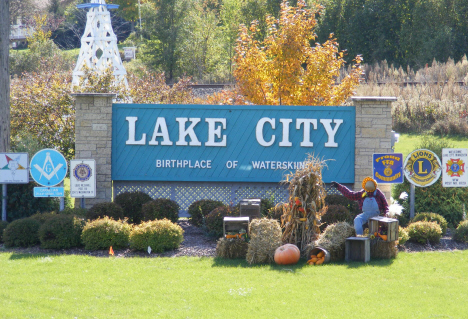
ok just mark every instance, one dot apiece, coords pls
pixel 285 69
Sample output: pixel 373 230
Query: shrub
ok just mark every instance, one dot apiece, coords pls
pixel 424 232
pixel 403 236
pixel 431 217
pixel 61 232
pixel 461 233
pixel 351 205
pixel 334 214
pixel 265 205
pixel 3 225
pixel 76 211
pixel 199 209
pixel 214 220
pixel 109 209
pixel 160 235
pixel 43 217
pixel 276 212
pixel 161 208
pixel 21 202
pixel 132 203
pixel 21 233
pixel 105 232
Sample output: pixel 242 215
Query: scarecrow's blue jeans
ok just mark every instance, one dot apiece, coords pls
pixel 361 219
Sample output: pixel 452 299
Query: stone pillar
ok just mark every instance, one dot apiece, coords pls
pixel 93 139
pixel 373 135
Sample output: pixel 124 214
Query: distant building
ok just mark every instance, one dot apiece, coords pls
pixel 18 34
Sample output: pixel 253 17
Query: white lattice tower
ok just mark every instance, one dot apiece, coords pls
pixel 99 44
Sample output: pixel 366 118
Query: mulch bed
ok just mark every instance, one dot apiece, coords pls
pixel 197 244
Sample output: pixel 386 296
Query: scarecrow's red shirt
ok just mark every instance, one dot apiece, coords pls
pixel 357 196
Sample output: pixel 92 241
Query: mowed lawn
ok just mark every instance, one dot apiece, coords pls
pixel 414 285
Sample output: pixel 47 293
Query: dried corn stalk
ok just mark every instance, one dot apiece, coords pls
pixel 302 215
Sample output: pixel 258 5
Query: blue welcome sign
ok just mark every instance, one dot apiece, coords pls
pixel 219 143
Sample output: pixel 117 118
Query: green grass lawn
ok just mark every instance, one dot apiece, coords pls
pixel 409 143
pixel 417 285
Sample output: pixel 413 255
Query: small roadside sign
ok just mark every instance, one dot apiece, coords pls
pixel 83 178
pixel 454 172
pixel 14 168
pixel 48 167
pixel 49 192
pixel 388 168
pixel 422 168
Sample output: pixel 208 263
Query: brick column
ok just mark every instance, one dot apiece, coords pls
pixel 93 139
pixel 373 135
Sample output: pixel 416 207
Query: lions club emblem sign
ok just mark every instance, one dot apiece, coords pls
pixel 454 171
pixel 422 168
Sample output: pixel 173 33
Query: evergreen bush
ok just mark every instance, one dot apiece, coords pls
pixel 61 232
pixel 214 220
pixel 160 235
pixel 76 211
pixel 334 214
pixel 159 209
pixel 21 233
pixel 109 209
pixel 131 203
pixel 403 236
pixel 425 232
pixel 43 217
pixel 105 232
pixel 199 209
pixel 431 217
pixel 461 233
pixel 3 225
pixel 351 205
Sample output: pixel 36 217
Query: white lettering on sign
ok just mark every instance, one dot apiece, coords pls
pixel 160 130
pixel 131 132
pixel 183 132
pixel 306 123
pixel 168 163
pixel 277 165
pixel 215 132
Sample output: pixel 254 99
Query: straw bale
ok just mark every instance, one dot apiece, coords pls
pixel 265 237
pixel 231 248
pixel 333 240
pixel 383 249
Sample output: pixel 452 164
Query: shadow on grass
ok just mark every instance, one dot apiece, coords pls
pixel 16 256
pixel 242 263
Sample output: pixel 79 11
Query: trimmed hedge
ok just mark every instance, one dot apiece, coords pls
pixel 105 232
pixel 160 235
pixel 214 220
pixel 351 205
pixel 423 232
pixel 403 236
pixel 22 233
pixel 461 233
pixel 199 209
pixel 431 217
pixel 335 214
pixel 101 210
pixel 131 203
pixel 3 225
pixel 159 209
pixel 76 211
pixel 61 232
pixel 43 217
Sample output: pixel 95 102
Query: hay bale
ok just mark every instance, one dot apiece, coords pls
pixel 333 240
pixel 231 248
pixel 265 237
pixel 383 249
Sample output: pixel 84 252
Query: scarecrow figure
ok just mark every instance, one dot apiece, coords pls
pixel 370 199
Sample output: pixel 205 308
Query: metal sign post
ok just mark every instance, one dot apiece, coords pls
pixel 4 202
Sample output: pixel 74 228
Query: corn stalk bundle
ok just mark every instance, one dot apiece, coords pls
pixel 302 215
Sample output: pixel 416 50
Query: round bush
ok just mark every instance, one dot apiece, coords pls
pixel 132 203
pixel 21 233
pixel 432 217
pixel 43 217
pixel 161 208
pixel 160 235
pixel 109 209
pixel 105 232
pixel 61 232
pixel 334 214
pixel 403 236
pixel 76 211
pixel 351 205
pixel 214 220
pixel 3 225
pixel 199 209
pixel 424 232
pixel 461 233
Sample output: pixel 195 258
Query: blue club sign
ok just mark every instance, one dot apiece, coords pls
pixel 48 167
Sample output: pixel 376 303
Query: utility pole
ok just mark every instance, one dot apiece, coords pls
pixel 4 87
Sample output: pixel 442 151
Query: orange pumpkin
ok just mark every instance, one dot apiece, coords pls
pixel 287 254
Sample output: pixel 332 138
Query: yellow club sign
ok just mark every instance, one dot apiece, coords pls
pixel 422 168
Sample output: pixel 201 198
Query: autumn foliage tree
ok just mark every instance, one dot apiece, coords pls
pixel 285 69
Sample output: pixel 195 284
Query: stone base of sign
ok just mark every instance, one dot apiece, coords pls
pixel 373 135
pixel 93 140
